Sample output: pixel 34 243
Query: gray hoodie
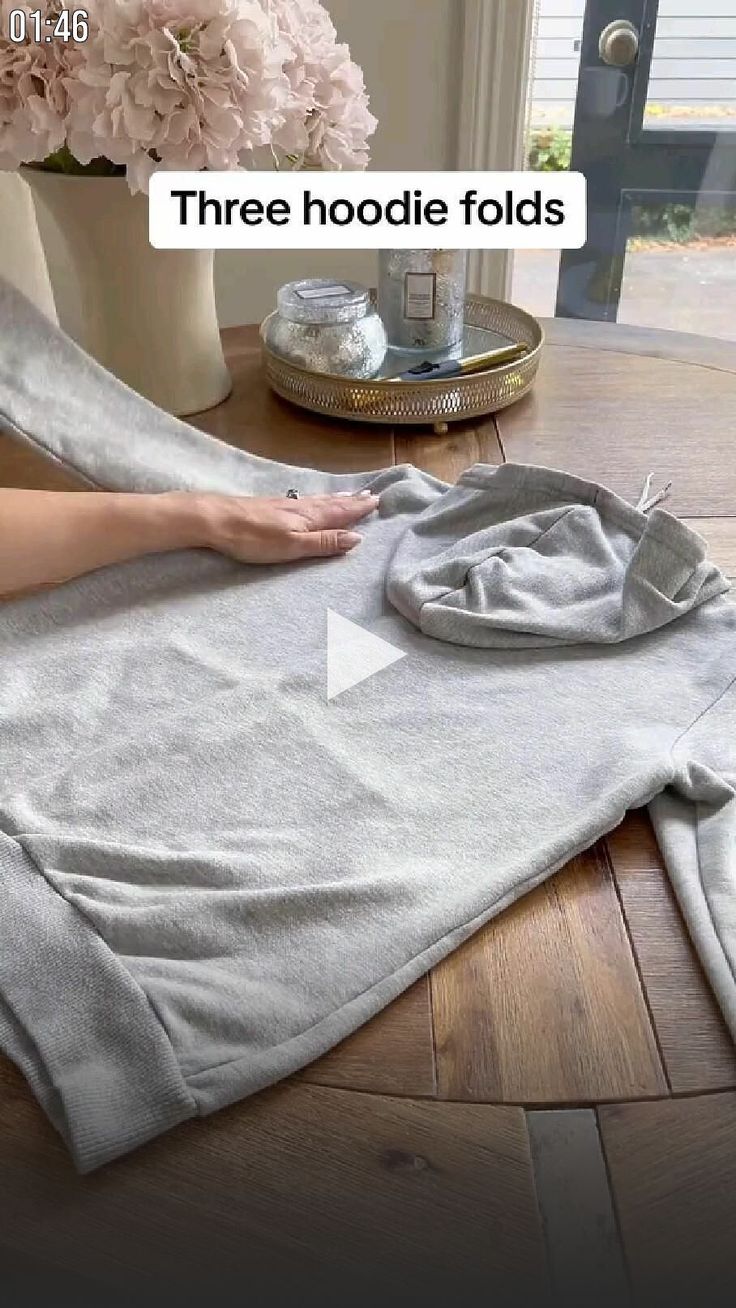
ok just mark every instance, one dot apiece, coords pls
pixel 211 872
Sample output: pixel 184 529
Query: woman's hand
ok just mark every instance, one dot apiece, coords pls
pixel 254 530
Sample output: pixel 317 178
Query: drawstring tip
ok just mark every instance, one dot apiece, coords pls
pixel 647 501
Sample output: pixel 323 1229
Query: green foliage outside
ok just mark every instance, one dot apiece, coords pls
pixel 549 152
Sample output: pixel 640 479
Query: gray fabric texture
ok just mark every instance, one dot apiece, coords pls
pixel 209 873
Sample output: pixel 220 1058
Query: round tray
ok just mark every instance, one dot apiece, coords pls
pixel 449 399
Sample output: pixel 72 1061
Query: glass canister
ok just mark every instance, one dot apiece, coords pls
pixel 327 326
pixel 421 297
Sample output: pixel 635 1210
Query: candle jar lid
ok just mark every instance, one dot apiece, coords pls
pixel 323 301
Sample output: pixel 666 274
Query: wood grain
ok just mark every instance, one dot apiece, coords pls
pixel 255 419
pixel 544 1005
pixel 447 456
pixel 28 1279
pixel 22 467
pixel 392 1054
pixel 614 417
pixel 647 342
pixel 586 1259
pixel 720 535
pixel 633 845
pixel 695 1044
pixel 673 1172
pixel 297 1186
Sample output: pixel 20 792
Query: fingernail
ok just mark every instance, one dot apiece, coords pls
pixel 364 493
pixel 347 539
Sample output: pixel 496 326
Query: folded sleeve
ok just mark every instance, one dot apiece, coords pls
pixel 695 823
pixel 69 409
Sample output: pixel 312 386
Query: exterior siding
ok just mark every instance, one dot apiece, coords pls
pixel 694 59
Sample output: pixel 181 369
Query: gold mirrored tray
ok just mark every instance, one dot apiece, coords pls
pixel 434 403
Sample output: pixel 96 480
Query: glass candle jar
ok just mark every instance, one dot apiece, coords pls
pixel 421 298
pixel 327 326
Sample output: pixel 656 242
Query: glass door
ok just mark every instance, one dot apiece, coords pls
pixel 653 128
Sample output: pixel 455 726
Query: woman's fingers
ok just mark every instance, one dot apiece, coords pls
pixel 323 544
pixel 335 510
pixel 328 519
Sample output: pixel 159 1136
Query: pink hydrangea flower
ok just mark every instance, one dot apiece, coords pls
pixel 330 122
pixel 33 98
pixel 188 84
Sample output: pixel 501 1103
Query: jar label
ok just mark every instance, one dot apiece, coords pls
pixel 420 291
pixel 323 292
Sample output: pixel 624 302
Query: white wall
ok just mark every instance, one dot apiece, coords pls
pixel 410 51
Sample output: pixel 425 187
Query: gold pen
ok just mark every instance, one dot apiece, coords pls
pixel 429 371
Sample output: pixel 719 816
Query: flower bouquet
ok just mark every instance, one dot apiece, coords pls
pixel 100 94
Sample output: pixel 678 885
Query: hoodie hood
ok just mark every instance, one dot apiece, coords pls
pixel 526 556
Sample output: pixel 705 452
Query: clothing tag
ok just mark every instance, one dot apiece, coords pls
pixel 324 292
pixel 419 295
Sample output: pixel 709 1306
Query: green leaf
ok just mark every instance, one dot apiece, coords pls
pixel 63 161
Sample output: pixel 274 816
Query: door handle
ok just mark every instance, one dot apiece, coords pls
pixel 618 44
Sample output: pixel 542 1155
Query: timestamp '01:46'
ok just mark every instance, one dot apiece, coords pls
pixel 67 25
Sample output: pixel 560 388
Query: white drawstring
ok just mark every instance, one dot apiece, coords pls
pixel 647 501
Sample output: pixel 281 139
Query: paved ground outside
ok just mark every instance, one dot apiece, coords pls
pixel 686 288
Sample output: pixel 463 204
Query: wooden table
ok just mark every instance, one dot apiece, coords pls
pixel 547 1102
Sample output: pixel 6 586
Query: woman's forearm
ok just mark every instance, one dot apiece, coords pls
pixel 48 537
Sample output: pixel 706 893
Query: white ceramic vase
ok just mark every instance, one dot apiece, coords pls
pixel 149 315
pixel 22 259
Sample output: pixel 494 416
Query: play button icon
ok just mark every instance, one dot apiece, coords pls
pixel 354 654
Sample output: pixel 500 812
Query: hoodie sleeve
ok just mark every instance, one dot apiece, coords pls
pixel 58 400
pixel 695 823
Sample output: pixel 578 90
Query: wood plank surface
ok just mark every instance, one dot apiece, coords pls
pixel 673 1172
pixel 392 1054
pixel 447 456
pixel 585 1255
pixel 255 419
pixel 544 1005
pixel 22 467
pixel 647 342
pixel 696 1047
pixel 720 535
pixel 632 845
pixel 297 1187
pixel 28 1279
pixel 614 417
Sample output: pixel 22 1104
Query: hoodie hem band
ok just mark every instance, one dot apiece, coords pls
pixel 78 1025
